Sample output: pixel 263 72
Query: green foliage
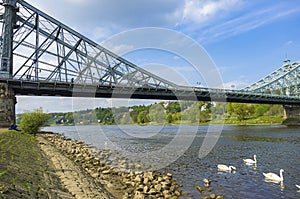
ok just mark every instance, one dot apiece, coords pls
pixel 192 114
pixel 275 110
pixel 242 111
pixel 32 121
pixel 157 113
pixel 105 115
pixel 169 118
pixel 175 113
pixel 261 109
pixel 143 117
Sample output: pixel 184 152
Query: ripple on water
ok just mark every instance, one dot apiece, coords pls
pixel 276 147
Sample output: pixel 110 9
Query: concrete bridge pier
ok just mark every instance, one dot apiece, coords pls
pixel 7 106
pixel 292 115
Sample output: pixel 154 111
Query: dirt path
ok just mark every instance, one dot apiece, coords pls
pixel 72 177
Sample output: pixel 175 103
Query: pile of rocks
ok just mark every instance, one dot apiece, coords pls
pixel 122 178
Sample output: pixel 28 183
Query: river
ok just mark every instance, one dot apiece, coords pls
pixel 276 147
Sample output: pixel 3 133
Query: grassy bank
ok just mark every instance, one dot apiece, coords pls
pixel 252 121
pixel 24 171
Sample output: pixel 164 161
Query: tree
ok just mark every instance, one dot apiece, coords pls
pixel 157 113
pixel 276 110
pixel 169 118
pixel 143 117
pixel 32 121
pixel 261 109
pixel 192 114
pixel 243 111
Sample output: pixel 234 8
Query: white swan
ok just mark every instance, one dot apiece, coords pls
pixel 250 161
pixel 274 177
pixel 223 167
pixel 298 186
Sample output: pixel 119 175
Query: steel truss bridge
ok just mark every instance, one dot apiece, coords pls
pixel 44 57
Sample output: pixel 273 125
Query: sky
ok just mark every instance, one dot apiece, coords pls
pixel 246 39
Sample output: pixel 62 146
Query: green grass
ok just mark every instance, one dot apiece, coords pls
pixel 22 166
pixel 259 120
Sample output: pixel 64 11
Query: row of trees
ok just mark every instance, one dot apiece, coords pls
pixel 246 111
pixel 169 112
pixel 158 113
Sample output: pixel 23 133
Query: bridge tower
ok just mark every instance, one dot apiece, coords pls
pixel 7 96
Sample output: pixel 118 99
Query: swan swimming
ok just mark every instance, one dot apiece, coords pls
pixel 223 167
pixel 250 161
pixel 274 177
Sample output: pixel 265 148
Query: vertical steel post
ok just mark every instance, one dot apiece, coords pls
pixel 37 43
pixel 9 17
pixel 7 96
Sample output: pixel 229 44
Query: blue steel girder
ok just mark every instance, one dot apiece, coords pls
pixel 284 81
pixel 47 57
pixel 44 49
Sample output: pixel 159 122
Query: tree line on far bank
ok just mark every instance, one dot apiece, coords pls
pixel 158 113
pixel 174 113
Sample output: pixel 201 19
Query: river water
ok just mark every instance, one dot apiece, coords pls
pixel 276 146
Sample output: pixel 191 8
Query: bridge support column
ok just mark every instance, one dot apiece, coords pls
pixel 292 115
pixel 7 106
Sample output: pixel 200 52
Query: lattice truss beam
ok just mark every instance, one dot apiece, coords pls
pixel 44 49
pixel 284 81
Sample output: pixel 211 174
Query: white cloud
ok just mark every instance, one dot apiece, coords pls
pixel 101 33
pixel 118 49
pixel 288 43
pixel 203 11
pixel 211 19
pixel 246 22
pixel 236 84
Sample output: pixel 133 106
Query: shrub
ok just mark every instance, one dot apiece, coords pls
pixel 32 121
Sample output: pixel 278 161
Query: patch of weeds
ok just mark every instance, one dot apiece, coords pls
pixel 3 173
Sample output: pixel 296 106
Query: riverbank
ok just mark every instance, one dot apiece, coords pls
pixel 25 172
pixel 272 120
pixel 52 166
pixel 122 179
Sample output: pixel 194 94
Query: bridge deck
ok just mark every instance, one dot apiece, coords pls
pixel 44 88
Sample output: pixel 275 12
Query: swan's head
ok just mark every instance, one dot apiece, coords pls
pixel 281 170
pixel 254 156
pixel 232 167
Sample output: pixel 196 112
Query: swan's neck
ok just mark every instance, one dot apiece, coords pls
pixel 254 158
pixel 281 174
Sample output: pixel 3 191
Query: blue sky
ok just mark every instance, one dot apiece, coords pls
pixel 247 39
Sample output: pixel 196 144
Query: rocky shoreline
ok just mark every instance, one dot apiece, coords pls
pixel 91 173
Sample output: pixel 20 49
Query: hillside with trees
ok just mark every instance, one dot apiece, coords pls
pixel 174 113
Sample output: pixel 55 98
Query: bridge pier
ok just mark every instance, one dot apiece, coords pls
pixel 7 106
pixel 292 115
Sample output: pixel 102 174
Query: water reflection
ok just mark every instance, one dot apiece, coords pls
pixel 222 172
pixel 276 182
pixel 254 166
